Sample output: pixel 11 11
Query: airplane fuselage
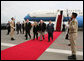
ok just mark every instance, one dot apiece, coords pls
pixel 52 15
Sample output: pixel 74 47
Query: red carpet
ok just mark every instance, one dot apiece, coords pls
pixel 29 50
pixel 59 21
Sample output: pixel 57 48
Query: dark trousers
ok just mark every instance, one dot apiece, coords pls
pixel 35 34
pixel 50 35
pixel 67 35
pixel 18 31
pixel 28 33
pixel 8 31
pixel 23 30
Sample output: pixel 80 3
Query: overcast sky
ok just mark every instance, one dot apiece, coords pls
pixel 19 9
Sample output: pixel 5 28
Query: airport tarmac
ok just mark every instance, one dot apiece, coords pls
pixel 58 50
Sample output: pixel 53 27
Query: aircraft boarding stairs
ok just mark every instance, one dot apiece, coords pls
pixel 59 21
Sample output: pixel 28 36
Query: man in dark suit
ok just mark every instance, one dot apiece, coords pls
pixel 28 28
pixel 42 28
pixel 8 27
pixel 18 27
pixel 23 26
pixel 50 29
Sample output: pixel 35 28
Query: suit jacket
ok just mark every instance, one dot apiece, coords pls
pixel 35 29
pixel 28 27
pixel 42 27
pixel 50 28
pixel 18 26
pixel 8 25
pixel 22 25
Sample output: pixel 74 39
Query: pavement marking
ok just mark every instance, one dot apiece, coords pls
pixel 48 50
pixel 7 44
pixel 63 51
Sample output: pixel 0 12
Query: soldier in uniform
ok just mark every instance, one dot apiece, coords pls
pixel 73 28
pixel 12 28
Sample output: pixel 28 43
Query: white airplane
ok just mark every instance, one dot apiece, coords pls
pixel 52 15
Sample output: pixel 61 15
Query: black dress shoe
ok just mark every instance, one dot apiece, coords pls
pixel 72 57
pixel 69 44
pixel 48 40
pixel 36 38
pixel 26 39
pixel 12 39
pixel 67 39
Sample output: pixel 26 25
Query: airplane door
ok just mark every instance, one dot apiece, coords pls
pixel 59 21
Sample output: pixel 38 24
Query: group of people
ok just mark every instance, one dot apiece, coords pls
pixel 42 27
